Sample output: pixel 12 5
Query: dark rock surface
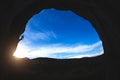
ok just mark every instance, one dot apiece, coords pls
pixel 103 14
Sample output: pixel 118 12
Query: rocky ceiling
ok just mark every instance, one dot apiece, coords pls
pixel 103 14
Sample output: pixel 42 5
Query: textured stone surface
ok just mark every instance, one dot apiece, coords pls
pixel 103 14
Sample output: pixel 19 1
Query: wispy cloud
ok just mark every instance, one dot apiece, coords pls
pixel 88 55
pixel 31 36
pixel 54 49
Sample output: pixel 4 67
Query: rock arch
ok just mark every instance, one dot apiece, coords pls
pixel 15 14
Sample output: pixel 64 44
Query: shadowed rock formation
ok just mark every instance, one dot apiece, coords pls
pixel 103 14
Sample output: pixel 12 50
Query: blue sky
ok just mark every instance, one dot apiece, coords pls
pixel 59 34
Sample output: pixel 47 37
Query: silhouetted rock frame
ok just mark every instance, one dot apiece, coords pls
pixel 103 14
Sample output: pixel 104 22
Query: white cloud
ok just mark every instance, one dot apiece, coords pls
pixel 40 35
pixel 49 50
pixel 88 55
pixel 32 35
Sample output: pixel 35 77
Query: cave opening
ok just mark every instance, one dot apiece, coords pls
pixel 59 34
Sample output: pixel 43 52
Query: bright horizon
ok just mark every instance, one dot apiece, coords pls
pixel 59 34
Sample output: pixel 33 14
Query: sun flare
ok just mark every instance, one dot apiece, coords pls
pixel 20 52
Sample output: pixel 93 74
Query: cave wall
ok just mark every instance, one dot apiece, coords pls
pixel 103 14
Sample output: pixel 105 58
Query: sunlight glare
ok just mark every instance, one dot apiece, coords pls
pixel 20 52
